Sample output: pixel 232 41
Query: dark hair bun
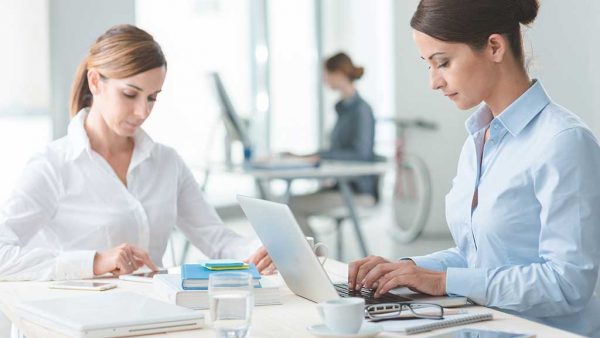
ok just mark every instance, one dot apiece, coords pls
pixel 341 62
pixel 358 73
pixel 526 10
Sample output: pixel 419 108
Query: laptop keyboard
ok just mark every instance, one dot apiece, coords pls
pixel 368 295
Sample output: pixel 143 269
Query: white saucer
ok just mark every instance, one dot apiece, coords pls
pixel 367 330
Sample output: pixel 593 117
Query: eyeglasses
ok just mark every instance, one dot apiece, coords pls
pixel 378 312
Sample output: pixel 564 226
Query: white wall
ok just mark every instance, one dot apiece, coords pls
pixel 564 48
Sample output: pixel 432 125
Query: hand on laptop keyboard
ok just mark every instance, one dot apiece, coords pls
pixel 368 295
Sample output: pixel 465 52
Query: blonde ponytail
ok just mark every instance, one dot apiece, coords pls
pixel 81 95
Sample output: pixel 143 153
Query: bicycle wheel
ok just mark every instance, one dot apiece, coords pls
pixel 411 198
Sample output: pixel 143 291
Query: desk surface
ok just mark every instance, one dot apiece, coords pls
pixel 287 320
pixel 327 169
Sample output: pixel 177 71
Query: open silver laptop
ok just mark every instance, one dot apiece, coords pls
pixel 110 314
pixel 278 230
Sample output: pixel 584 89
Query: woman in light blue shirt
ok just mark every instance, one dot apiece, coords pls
pixel 524 208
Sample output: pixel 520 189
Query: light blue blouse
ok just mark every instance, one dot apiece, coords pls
pixel 531 246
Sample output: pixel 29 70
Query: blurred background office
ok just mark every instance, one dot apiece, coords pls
pixel 269 55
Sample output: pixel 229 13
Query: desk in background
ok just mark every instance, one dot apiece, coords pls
pixel 288 320
pixel 341 171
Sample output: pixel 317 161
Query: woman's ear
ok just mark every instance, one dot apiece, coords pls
pixel 497 46
pixel 94 79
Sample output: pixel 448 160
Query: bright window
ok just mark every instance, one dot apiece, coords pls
pixel 294 82
pixel 198 38
pixel 24 86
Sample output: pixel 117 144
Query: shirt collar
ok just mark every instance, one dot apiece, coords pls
pixel 344 104
pixel 80 142
pixel 516 116
pixel 142 150
pixel 78 139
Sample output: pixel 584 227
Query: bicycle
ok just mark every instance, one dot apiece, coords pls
pixel 412 184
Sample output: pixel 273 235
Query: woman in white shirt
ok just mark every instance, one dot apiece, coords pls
pixel 105 198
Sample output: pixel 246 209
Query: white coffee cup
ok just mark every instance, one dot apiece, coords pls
pixel 318 248
pixel 343 315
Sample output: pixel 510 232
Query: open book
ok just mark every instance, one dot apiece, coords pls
pixel 168 288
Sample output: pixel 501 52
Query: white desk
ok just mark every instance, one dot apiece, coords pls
pixel 288 320
pixel 327 169
pixel 342 171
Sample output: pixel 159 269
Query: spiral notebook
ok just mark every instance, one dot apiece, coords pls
pixel 412 326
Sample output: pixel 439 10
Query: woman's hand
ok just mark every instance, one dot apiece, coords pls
pixel 358 270
pixel 262 260
pixel 408 275
pixel 121 260
pixel 378 273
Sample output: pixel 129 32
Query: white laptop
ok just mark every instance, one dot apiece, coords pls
pixel 278 230
pixel 110 314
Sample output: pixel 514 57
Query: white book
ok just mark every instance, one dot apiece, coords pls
pixel 112 313
pixel 168 288
pixel 412 326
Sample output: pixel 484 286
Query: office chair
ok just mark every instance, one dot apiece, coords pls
pixel 340 215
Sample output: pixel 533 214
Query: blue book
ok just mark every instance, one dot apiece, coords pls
pixel 195 276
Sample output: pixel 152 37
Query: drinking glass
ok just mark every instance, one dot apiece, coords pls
pixel 231 297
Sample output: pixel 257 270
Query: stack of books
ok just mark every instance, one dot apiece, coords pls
pixel 190 288
pixel 195 276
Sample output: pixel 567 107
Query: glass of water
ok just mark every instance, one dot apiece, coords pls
pixel 231 297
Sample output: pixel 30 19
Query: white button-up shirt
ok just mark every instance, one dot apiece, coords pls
pixel 532 243
pixel 69 203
